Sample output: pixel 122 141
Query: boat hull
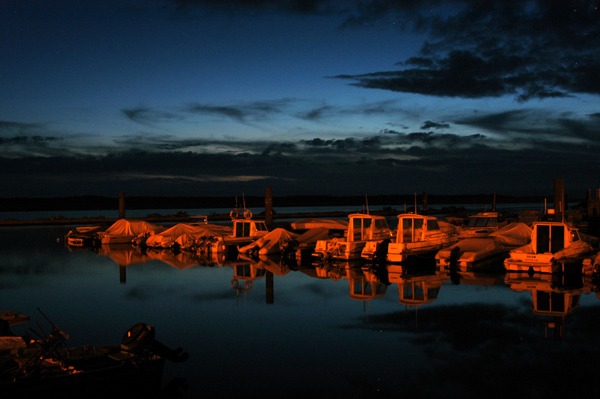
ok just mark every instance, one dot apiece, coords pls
pixel 91 376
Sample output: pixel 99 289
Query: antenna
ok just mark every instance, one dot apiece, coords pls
pixel 367 202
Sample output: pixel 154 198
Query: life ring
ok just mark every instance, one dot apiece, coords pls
pixel 137 337
pixel 233 214
pixel 247 213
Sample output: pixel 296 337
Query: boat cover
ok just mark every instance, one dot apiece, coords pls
pixel 332 224
pixel 271 242
pixel 513 234
pixel 186 235
pixel 125 227
pixel 311 236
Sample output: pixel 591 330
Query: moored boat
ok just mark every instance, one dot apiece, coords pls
pixel 481 253
pixel 243 231
pixel 416 235
pixel 271 243
pixel 480 225
pixel 125 231
pixel 362 229
pixel 186 236
pixel 83 236
pixel 555 247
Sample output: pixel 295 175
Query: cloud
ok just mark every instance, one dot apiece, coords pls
pixel 304 7
pixel 506 154
pixel 243 112
pixel 532 49
pixel 434 125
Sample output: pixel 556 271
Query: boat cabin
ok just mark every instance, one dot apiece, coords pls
pixel 480 225
pixel 552 237
pixel 249 228
pixel 415 228
pixel 364 227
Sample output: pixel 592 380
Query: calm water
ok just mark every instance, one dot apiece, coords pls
pixel 263 329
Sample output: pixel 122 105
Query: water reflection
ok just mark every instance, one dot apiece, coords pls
pixel 553 296
pixel 270 327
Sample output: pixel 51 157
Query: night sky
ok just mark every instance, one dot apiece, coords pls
pixel 223 97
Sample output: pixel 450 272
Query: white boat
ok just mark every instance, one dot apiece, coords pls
pixel 362 229
pixel 480 225
pixel 244 230
pixel 482 252
pixel 83 236
pixel 553 247
pixel 416 235
pixel 125 231
pixel 309 231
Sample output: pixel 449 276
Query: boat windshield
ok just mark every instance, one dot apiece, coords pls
pixel 432 225
pixel 381 224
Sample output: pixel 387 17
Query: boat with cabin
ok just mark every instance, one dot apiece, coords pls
pixel 362 229
pixel 244 230
pixel 416 235
pixel 554 247
pixel 480 225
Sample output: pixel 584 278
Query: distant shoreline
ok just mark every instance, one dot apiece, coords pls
pixel 435 204
pixel 21 204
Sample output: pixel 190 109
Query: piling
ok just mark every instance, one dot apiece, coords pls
pixel 559 199
pixel 269 207
pixel 121 205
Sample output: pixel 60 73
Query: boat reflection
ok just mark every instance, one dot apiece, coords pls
pixel 553 297
pixel 419 282
pixel 416 288
pixel 245 271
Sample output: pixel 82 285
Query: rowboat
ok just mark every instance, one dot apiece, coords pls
pixel 42 364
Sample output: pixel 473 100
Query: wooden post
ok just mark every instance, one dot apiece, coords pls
pixel 269 207
pixel 121 205
pixel 559 199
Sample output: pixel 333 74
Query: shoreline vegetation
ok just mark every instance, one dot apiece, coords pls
pixel 427 203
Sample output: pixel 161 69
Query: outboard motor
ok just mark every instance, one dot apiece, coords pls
pixel 380 255
pixel 140 337
pixel 137 337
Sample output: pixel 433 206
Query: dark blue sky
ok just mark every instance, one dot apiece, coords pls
pixel 191 97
